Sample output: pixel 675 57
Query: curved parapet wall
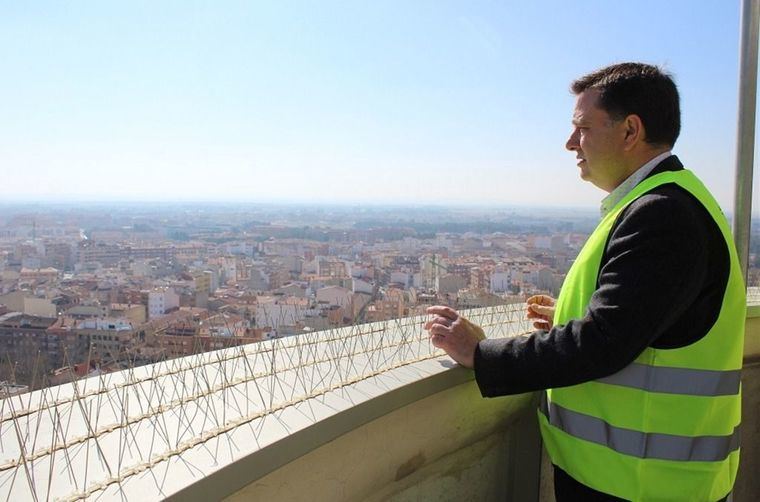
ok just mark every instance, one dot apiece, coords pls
pixel 209 425
pixel 449 446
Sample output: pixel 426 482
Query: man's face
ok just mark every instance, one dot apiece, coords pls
pixel 598 142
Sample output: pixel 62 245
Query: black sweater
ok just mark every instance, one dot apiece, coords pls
pixel 661 284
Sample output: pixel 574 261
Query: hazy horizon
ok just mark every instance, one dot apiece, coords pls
pixel 373 204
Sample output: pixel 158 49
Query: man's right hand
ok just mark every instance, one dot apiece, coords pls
pixel 541 309
pixel 454 334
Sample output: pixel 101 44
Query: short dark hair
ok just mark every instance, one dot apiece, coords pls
pixel 638 89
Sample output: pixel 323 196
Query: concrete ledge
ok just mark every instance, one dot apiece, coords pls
pixel 451 445
pixel 257 465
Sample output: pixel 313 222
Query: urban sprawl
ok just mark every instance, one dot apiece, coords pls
pixel 94 289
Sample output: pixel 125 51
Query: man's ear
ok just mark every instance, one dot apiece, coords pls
pixel 634 131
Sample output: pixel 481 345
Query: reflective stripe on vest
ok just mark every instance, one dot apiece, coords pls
pixel 640 444
pixel 677 380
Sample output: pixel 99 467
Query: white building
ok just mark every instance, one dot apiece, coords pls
pixel 160 301
pixel 501 280
pixel 431 267
pixel 278 313
pixel 107 324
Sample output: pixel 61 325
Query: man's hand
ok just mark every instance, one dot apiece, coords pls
pixel 541 308
pixel 454 334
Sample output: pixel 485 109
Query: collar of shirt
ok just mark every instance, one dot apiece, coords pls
pixel 625 187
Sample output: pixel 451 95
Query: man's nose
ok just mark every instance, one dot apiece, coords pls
pixel 572 142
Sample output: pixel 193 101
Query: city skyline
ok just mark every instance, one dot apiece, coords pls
pixel 431 103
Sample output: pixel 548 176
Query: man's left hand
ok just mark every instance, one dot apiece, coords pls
pixel 454 334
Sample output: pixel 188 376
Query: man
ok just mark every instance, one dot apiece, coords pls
pixel 641 364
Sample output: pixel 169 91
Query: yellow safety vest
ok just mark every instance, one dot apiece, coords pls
pixel 666 426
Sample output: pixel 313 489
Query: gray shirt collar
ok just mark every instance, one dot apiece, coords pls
pixel 625 187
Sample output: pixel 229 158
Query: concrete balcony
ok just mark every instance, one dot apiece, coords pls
pixel 363 413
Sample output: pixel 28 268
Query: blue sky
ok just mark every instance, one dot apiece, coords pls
pixel 404 102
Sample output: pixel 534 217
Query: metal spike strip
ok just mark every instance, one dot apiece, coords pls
pixel 331 357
